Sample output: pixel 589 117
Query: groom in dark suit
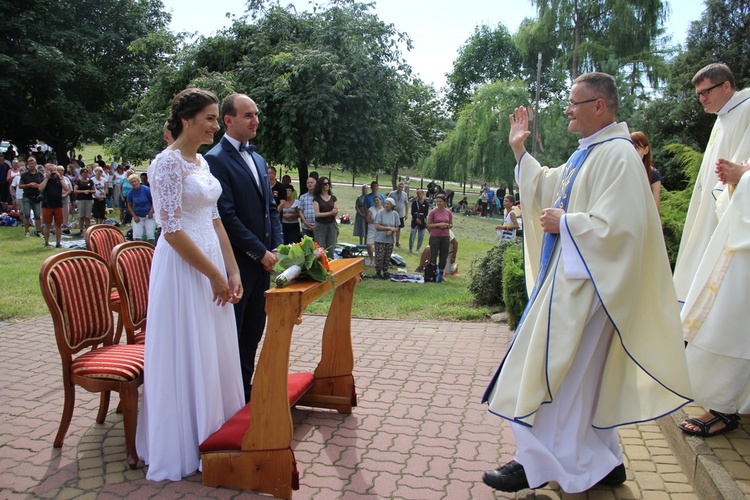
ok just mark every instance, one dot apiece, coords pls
pixel 253 223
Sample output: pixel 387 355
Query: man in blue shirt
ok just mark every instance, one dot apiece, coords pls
pixel 491 201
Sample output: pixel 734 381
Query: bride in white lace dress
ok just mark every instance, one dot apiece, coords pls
pixel 192 382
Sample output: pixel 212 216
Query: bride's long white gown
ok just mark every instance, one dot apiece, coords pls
pixel 192 382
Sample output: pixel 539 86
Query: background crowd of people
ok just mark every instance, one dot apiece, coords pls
pixel 54 196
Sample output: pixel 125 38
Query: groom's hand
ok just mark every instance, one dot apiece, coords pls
pixel 269 260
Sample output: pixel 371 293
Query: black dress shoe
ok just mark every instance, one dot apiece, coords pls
pixel 510 478
pixel 616 477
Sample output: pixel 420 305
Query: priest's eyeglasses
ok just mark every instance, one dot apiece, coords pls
pixel 704 93
pixel 573 104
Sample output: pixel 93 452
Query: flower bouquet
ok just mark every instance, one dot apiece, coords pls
pixel 304 259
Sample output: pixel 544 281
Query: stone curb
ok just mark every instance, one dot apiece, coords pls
pixel 709 478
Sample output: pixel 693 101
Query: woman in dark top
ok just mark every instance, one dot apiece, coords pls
pixel 84 190
pixel 640 141
pixel 326 207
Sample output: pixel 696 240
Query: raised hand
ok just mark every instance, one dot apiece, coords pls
pixel 519 131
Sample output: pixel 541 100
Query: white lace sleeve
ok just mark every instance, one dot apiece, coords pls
pixel 167 191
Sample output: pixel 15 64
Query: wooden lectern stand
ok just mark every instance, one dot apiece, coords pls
pixel 255 453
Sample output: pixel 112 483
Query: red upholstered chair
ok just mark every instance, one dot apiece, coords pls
pixel 76 286
pixel 101 239
pixel 131 266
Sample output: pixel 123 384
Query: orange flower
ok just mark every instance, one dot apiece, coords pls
pixel 321 255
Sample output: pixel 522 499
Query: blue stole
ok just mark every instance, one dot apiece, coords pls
pixel 570 171
pixel 549 240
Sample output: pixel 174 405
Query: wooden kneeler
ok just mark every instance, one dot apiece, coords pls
pixel 255 453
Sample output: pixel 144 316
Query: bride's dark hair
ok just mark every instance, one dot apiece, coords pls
pixel 186 105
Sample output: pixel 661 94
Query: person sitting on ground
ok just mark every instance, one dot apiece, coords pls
pixel 463 204
pixel 451 267
pixel 386 225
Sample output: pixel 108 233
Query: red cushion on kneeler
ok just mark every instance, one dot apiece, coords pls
pixel 114 362
pixel 114 296
pixel 229 437
pixel 139 338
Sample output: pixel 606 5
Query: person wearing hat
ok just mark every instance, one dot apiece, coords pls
pixel 386 224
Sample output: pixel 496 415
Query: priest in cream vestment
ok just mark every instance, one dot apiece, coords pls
pixel 715 328
pixel 600 342
pixel 730 139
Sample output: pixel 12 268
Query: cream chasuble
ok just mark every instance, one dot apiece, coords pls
pixel 712 316
pixel 730 139
pixel 614 225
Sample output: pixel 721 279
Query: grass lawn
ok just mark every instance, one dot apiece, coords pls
pixel 22 257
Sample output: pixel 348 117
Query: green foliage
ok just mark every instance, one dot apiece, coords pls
pixel 478 147
pixel 674 204
pixel 332 82
pixel 556 144
pixel 302 254
pixel 589 32
pixel 514 284
pixel 486 275
pixel 720 35
pixel 673 211
pixel 416 126
pixel 71 67
pixel 487 55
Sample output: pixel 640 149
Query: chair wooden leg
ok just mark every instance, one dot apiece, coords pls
pixel 118 330
pixel 129 398
pixel 103 407
pixel 67 415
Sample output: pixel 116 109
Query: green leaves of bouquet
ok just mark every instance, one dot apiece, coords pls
pixel 304 259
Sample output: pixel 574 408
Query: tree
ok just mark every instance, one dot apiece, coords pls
pixel 326 82
pixel 487 55
pixel 589 32
pixel 71 67
pixel 416 126
pixel 478 147
pixel 677 117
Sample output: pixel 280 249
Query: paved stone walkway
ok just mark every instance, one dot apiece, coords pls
pixel 419 431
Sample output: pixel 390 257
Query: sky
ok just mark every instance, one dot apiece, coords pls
pixel 437 28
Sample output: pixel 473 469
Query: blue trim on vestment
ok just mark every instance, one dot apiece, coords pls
pixel 549 242
pixel 737 105
pixel 617 329
pixel 533 297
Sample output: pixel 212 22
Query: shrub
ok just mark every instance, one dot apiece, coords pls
pixel 674 204
pixel 514 284
pixel 485 275
pixel 673 211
